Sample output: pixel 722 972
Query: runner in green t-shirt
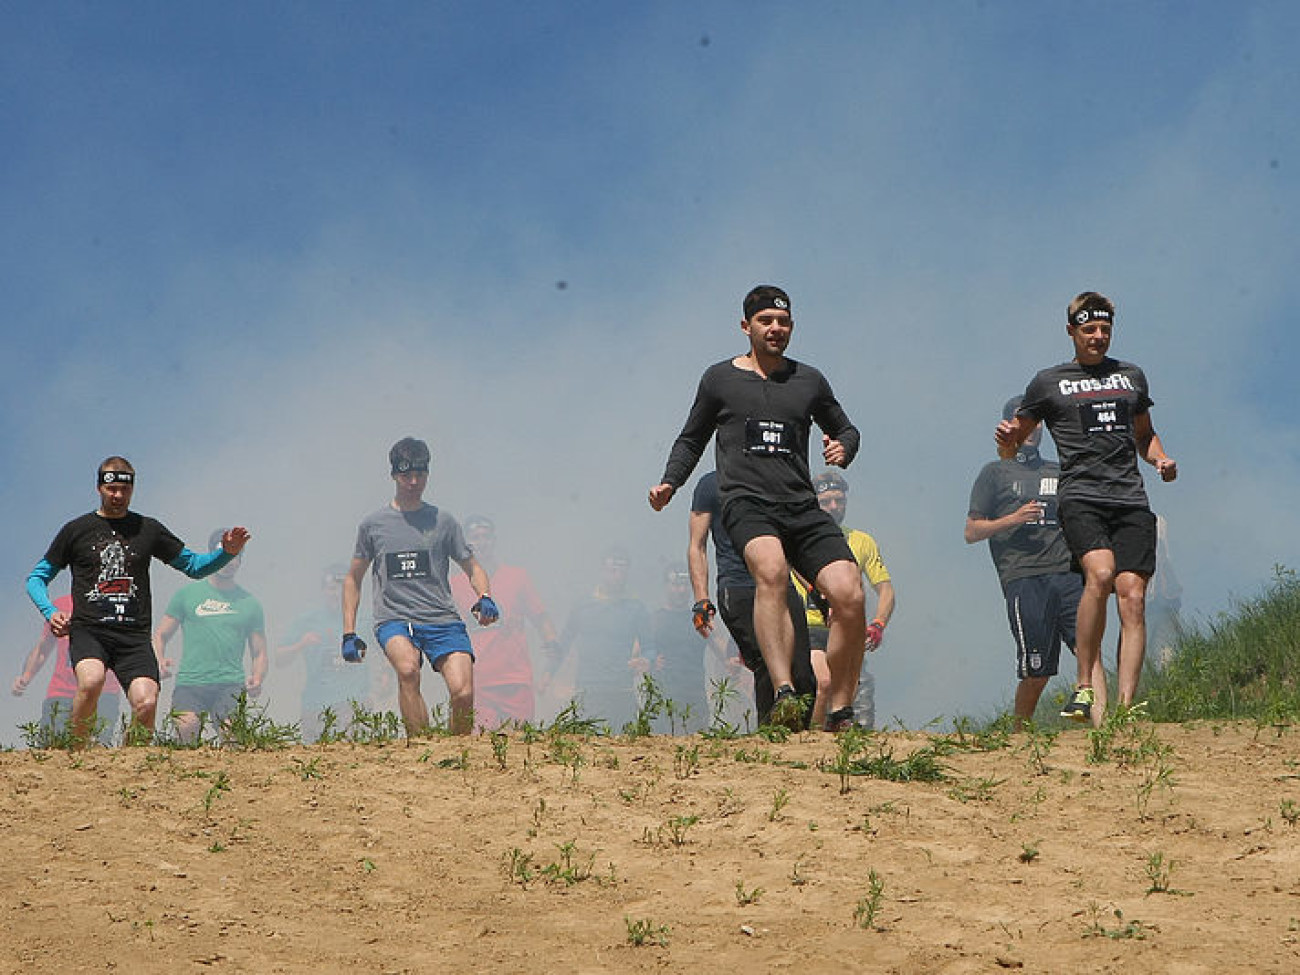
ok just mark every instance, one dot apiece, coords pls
pixel 218 618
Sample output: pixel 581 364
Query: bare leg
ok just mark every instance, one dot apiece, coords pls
pixel 1099 693
pixel 772 626
pixel 1098 583
pixel 1028 691
pixel 841 584
pixel 1131 595
pixel 457 670
pixel 142 695
pixel 822 670
pixel 85 702
pixel 405 658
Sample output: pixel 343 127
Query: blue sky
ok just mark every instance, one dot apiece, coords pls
pixel 250 245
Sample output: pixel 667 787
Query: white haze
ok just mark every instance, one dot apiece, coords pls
pixel 538 299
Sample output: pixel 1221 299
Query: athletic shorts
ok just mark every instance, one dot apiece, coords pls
pixel 214 700
pixel 1128 532
pixel 810 537
pixel 1042 611
pixel 128 655
pixel 435 640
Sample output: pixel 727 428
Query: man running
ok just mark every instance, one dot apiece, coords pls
pixel 1098 410
pixel 833 496
pixel 409 544
pixel 108 552
pixel 736 600
pixel 1013 506
pixel 218 619
pixel 762 406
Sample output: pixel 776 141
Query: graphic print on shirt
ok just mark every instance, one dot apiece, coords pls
pixel 114 584
pixel 215 607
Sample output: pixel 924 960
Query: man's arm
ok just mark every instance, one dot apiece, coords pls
pixel 35 660
pixel 196 565
pixel 352 593
pixel 485 608
pixel 982 529
pixel 689 445
pixel 258 658
pixel 167 627
pixel 1150 449
pixel 38 589
pixel 697 563
pixel 884 601
pixel 840 438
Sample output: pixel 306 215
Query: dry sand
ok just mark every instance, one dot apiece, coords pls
pixel 398 858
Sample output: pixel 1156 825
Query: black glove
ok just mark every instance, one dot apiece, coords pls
pixel 702 614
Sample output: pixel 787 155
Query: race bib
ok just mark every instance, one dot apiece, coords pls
pixel 1104 416
pixel 407 565
pixel 767 437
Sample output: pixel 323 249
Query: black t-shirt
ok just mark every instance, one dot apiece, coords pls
pixel 109 559
pixel 1035 549
pixel 732 571
pixel 1090 411
pixel 762 426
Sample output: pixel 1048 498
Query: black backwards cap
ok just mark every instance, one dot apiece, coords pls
pixel 763 297
pixel 409 454
pixel 830 481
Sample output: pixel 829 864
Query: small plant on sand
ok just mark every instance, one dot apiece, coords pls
pixel 249 728
pixel 1123 931
pixel 746 897
pixel 519 867
pixel 500 746
pixel 1029 852
pixel 868 906
pixel 686 761
pixel 724 691
pixel 678 827
pixel 1289 811
pixel 220 786
pixel 307 770
pixel 644 931
pixel 1159 870
pixel 565 870
pixel 779 800
pixel 1038 744
pixel 650 705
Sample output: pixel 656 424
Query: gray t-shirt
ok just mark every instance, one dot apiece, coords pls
pixel 409 552
pixel 1091 411
pixel 1002 487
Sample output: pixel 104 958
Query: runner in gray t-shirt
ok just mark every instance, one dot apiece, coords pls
pixel 1013 507
pixel 1099 413
pixel 409 544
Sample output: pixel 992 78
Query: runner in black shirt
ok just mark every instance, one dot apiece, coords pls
pixel 1098 410
pixel 109 553
pixel 762 406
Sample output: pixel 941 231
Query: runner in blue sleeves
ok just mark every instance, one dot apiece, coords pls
pixel 108 552
pixel 409 544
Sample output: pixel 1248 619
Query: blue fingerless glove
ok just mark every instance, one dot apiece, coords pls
pixel 485 610
pixel 354 648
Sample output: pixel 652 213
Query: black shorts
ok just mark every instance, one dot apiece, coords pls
pixel 128 655
pixel 810 537
pixel 1042 611
pixel 1129 532
pixel 214 700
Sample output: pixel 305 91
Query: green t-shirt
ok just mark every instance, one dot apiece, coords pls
pixel 216 624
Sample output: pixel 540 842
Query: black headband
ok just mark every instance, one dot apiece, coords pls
pixel 116 477
pixel 1086 314
pixel 404 466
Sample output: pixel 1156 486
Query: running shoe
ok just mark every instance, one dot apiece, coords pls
pixel 1079 707
pixel 841 719
pixel 787 711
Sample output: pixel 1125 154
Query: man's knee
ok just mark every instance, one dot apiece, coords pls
pixel 841 584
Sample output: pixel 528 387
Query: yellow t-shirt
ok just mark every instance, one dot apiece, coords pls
pixel 867 554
